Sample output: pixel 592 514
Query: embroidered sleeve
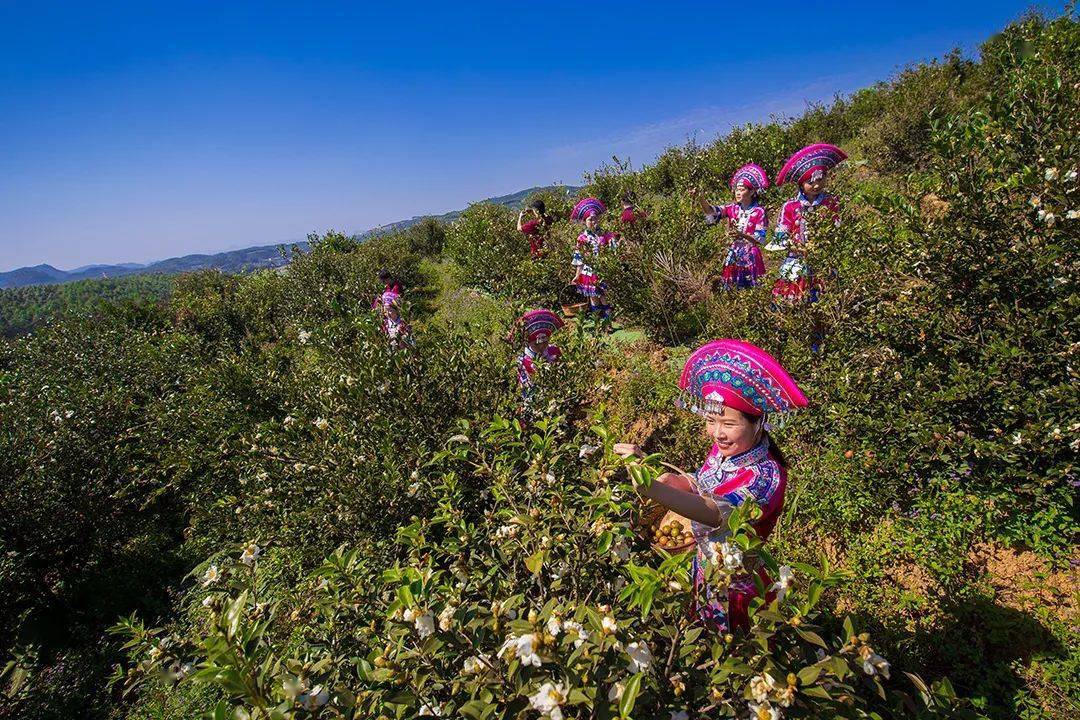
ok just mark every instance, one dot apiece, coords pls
pixel 715 216
pixel 759 483
pixel 553 352
pixel 577 260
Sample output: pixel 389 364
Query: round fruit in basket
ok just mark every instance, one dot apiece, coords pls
pixel 673 533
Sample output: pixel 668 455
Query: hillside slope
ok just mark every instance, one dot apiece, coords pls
pixel 245 503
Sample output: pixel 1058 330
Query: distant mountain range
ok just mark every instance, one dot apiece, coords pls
pixel 244 260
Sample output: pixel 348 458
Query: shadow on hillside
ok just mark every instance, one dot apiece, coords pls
pixel 977 648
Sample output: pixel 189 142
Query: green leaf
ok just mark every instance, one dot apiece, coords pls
pixel 811 636
pixel 809 674
pixel 629 696
pixel 535 561
pixel 605 542
pixel 817 691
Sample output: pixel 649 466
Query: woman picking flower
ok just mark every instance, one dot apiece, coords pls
pixel 809 168
pixel 590 243
pixel 387 303
pixel 747 223
pixel 735 387
pixel 538 325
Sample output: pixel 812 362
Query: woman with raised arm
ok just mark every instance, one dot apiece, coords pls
pixel 534 223
pixel 590 243
pixel 735 387
pixel 746 223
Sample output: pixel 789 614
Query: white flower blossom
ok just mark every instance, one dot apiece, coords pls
pixel 764 711
pixel 446 618
pixel 782 585
pixel 408 615
pixel 314 698
pixel 570 626
pixel 553 627
pixel 550 478
pixel 874 664
pixel 322 423
pixel 1051 174
pixel 475 665
pixel 732 557
pixel 211 576
pixel 761 686
pixel 621 550
pixel 549 699
pixel 586 450
pixel 608 624
pixel 1072 215
pixel 640 657
pixel 289 420
pixel 304 336
pixel 507 531
pixel 432 711
pixel 614 693
pixel 250 554
pixel 524 648
pixel 1070 176
pixel 425 625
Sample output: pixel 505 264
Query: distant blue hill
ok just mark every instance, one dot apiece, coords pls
pixel 245 260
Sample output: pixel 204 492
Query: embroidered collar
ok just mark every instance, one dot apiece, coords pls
pixel 753 456
pixel 530 353
pixel 805 201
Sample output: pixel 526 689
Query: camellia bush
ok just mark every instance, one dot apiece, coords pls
pixel 529 590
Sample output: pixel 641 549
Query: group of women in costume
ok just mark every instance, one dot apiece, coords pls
pixel 734 386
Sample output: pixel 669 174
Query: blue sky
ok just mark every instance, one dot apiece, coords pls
pixel 139 131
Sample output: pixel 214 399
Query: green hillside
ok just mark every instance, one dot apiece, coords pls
pixel 242 503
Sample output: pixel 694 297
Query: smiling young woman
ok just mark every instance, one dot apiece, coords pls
pixel 734 386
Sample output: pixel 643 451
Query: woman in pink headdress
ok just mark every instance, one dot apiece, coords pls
pixel 387 304
pixel 735 387
pixel 590 243
pixel 747 223
pixel 538 326
pixel 809 169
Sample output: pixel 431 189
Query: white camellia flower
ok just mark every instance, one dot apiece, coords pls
pixel 732 557
pixel 304 336
pixel 250 554
pixel 784 583
pixel 554 627
pixel 211 576
pixel 586 450
pixel 446 618
pixel 322 423
pixel 425 625
pixel 874 664
pixel 524 648
pixel 1073 215
pixel 289 420
pixel 408 615
pixel 614 694
pixel 549 699
pixel 208 601
pixel 1051 174
pixel 507 531
pixel 314 698
pixel 476 665
pixel 640 657
pixel 761 686
pixel 570 626
pixel 431 711
pixel 764 711
pixel 608 624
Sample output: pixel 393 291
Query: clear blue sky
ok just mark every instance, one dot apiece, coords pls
pixel 139 131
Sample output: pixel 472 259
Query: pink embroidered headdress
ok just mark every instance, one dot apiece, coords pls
pixel 740 375
pixel 540 324
pixel 752 176
pixel 586 208
pixel 811 162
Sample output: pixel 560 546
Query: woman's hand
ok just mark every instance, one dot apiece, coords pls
pixel 628 450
